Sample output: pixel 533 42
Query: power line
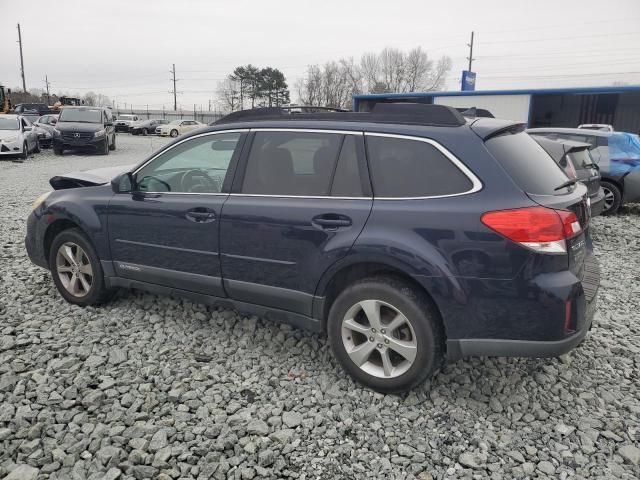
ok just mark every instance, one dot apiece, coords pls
pixel 503 42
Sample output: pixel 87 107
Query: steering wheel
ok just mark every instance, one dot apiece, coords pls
pixel 198 181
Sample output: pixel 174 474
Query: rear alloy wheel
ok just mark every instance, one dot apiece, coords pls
pixel 76 269
pixel 37 149
pixel 105 148
pixel 174 133
pixel 612 198
pixel 25 151
pixel 386 334
pixel 113 144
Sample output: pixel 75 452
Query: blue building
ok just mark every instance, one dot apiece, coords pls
pixel 553 107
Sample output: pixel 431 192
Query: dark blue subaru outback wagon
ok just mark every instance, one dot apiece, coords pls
pixel 409 234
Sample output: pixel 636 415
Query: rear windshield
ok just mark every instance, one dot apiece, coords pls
pixel 581 159
pixel 533 170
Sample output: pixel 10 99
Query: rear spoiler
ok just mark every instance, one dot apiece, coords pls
pixel 487 128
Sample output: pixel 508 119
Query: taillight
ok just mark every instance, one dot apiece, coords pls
pixel 541 229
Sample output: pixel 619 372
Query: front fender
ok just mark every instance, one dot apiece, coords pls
pixel 86 208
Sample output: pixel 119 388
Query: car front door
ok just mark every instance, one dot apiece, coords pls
pixel 166 230
pixel 299 201
pixel 29 134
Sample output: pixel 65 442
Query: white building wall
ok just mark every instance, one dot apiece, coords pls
pixel 508 107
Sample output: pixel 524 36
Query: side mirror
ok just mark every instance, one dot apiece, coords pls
pixel 53 121
pixel 123 183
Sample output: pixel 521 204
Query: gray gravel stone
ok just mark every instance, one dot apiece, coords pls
pixel 23 472
pixel 257 427
pixel 630 453
pixel 291 419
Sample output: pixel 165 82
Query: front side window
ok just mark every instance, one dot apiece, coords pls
pixel 198 165
pixel 291 163
pixel 402 168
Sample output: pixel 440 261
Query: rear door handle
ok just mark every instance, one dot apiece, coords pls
pixel 331 221
pixel 201 215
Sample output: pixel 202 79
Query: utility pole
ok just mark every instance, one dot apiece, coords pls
pixel 175 98
pixel 24 84
pixel 470 57
pixel 46 82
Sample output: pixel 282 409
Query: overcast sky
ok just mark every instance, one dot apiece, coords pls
pixel 125 48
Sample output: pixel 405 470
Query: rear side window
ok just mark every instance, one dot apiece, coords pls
pixel 527 163
pixel 291 163
pixel 402 167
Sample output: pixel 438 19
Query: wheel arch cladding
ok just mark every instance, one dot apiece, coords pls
pixel 334 282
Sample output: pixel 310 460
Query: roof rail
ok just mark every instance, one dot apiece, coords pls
pixel 406 113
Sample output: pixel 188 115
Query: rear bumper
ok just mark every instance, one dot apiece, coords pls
pixel 584 310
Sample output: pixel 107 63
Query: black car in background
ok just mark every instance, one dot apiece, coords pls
pixel 32 110
pixel 84 128
pixel 45 126
pixel 576 161
pixel 147 127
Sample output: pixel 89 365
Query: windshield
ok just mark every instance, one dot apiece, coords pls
pixel 93 115
pixel 9 124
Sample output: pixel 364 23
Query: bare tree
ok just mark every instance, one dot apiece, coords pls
pixel 228 94
pixel 391 70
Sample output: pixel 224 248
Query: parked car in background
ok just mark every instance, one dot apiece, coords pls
pixel 17 136
pixel 123 123
pixel 603 127
pixel 178 127
pixel 45 126
pixel 618 156
pixel 147 127
pixel 32 111
pixel 408 234
pixel 576 161
pixel 84 128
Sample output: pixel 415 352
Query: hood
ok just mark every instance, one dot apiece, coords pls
pixel 9 133
pixel 88 178
pixel 78 127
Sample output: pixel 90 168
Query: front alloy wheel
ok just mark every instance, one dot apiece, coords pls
pixel 174 133
pixel 74 269
pixel 379 339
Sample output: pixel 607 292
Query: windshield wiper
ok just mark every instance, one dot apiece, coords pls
pixel 568 183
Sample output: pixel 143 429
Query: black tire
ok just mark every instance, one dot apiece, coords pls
pixel 25 151
pixel 422 316
pixel 105 149
pixel 612 198
pixel 174 133
pixel 98 293
pixel 145 132
pixel 113 144
pixel 37 149
pixel 57 151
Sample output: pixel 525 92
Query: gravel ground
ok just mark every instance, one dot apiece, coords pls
pixel 152 387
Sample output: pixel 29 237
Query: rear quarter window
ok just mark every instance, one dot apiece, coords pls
pixel 405 167
pixel 527 163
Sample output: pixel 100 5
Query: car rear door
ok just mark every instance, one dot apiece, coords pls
pixel 166 231
pixel 299 201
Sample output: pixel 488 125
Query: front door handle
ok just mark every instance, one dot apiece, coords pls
pixel 331 221
pixel 201 215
